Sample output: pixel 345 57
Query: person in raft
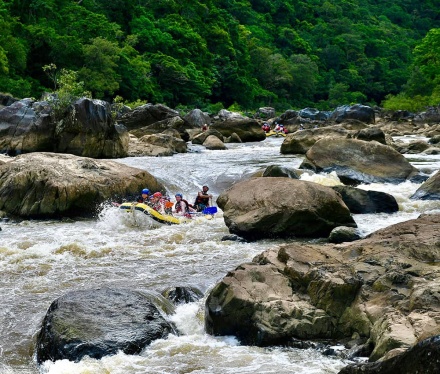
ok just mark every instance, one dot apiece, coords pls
pixel 158 202
pixel 202 199
pixel 280 128
pixel 265 127
pixel 182 207
pixel 144 197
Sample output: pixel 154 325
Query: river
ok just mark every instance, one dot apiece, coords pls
pixel 42 260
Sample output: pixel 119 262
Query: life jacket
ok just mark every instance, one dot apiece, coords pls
pixel 158 205
pixel 178 207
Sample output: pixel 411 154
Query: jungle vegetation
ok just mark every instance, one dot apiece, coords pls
pixel 240 54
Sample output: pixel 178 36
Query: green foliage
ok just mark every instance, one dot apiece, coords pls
pixel 69 89
pixel 99 73
pixel 250 52
pixel 402 102
pixel 135 104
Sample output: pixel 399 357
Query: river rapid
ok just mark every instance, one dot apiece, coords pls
pixel 42 260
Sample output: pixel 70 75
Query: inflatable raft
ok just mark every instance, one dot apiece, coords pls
pixel 164 218
pixel 276 133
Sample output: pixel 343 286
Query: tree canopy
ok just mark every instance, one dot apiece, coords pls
pixel 246 53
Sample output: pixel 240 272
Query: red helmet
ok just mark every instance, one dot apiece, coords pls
pixel 157 194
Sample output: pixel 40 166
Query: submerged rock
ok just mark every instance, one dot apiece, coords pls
pixel 182 295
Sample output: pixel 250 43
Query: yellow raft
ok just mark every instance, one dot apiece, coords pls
pixel 276 133
pixel 162 218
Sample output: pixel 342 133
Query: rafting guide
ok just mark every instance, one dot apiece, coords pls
pixel 203 199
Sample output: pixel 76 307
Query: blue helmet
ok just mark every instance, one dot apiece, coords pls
pixel 180 195
pixel 145 191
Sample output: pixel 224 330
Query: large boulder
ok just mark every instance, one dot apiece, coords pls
pixel 365 202
pixel 314 114
pixel 301 141
pixel 383 288
pixel 42 185
pixel 196 118
pixel 265 113
pixel 249 130
pixel 170 143
pixel 358 112
pixel 26 126
pixel 429 190
pixel 357 161
pixel 282 207
pixel 290 117
pixel 86 128
pixel 98 323
pixel 146 115
pixel 431 115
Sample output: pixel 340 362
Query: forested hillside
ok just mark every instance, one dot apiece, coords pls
pixel 245 53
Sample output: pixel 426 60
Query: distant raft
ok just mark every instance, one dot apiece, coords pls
pixel 164 218
pixel 275 133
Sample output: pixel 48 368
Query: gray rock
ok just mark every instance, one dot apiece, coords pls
pixel 358 112
pixel 98 323
pixel 196 118
pixel 357 161
pixel 146 115
pixel 371 133
pixel 214 143
pixel 429 190
pixel 248 130
pixel 343 234
pixel 282 207
pixel 86 128
pixel 279 171
pixel 365 202
pixel 182 295
pixel 301 141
